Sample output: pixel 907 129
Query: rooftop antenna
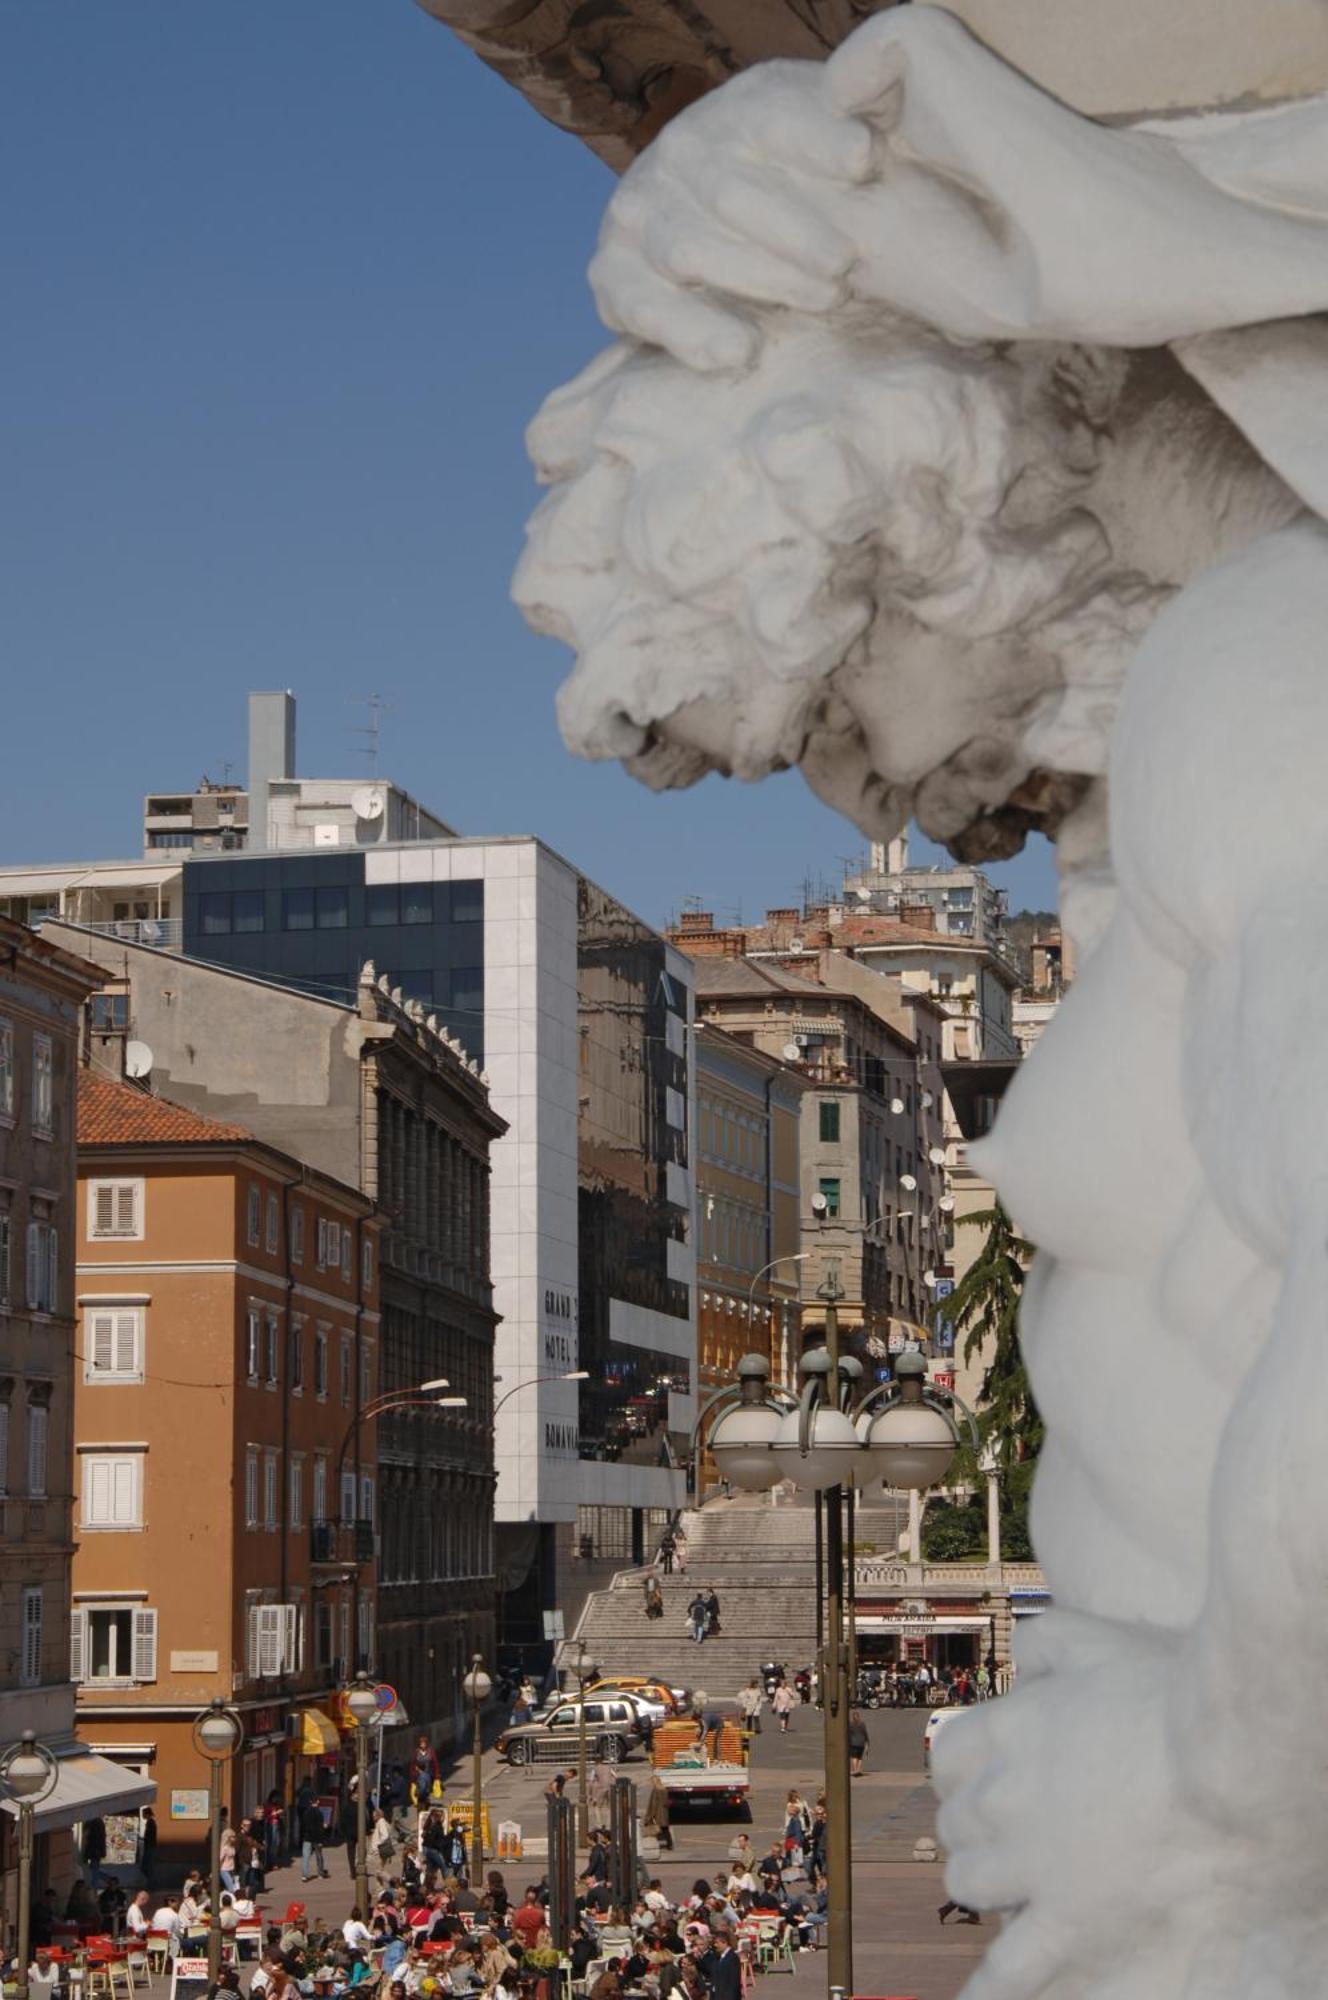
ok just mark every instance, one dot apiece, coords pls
pixel 226 768
pixel 372 730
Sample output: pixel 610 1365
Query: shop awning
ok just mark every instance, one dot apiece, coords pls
pixel 918 1627
pixel 319 1735
pixel 88 1787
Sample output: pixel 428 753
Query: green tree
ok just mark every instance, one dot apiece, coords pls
pixel 985 1308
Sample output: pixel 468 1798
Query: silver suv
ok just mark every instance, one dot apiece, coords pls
pixel 613 1731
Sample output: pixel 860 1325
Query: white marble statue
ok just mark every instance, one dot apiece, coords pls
pixel 972 456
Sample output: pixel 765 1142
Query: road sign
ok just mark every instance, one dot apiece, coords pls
pixel 385 1696
pixel 943 1288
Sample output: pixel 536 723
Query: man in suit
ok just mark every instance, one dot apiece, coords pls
pixel 721 1966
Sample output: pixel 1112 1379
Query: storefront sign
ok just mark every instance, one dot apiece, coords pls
pixel 189 1804
pixel 121 1839
pixel 265 1722
pixel 189 1977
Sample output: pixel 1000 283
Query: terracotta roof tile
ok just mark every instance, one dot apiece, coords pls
pixel 118 1114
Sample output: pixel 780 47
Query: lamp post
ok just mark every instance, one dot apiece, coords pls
pixel 586 1670
pixel 477 1687
pixel 362 1701
pixel 216 1732
pixel 796 1257
pixel 28 1772
pixel 902 1433
pixel 532 1381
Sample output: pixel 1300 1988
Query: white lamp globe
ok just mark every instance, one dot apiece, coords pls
pixel 833 1456
pixel 362 1701
pixel 910 1446
pixel 29 1771
pixel 740 1443
pixel 218 1730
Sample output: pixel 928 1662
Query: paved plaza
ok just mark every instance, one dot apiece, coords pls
pixel 899 1946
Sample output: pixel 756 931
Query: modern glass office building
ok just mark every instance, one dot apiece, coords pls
pixel 580 1014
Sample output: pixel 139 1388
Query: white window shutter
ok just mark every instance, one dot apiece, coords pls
pixel 37 1450
pixel 32 1637
pixel 103 1343
pixel 103 1220
pixel 124 1476
pixel 348 1496
pixel 126 1206
pixel 125 1360
pixel 299 1638
pixel 33 1286
pixel 252 1649
pixel 269 1639
pixel 289 1661
pixel 52 1269
pixel 145 1645
pixel 78 1642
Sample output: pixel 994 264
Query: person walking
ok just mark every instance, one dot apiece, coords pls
pixel 599 1789
pixel 654 1597
pixel 698 1615
pixel 782 1704
pixel 680 1551
pixel 312 1835
pixel 656 1817
pixel 667 1547
pixel 858 1742
pixel 712 1613
pixel 751 1700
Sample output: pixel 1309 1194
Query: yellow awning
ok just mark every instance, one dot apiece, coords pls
pixel 319 1735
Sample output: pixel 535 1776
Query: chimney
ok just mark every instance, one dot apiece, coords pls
pixel 271 755
pixel 697 920
pixel 896 855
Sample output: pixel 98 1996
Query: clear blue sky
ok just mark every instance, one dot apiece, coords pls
pixel 284 280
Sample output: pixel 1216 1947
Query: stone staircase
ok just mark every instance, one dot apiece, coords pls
pixel 761 1561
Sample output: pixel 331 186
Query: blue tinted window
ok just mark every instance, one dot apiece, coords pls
pixel 415 986
pixel 467 989
pixel 298 909
pixel 247 910
pixel 417 902
pixel 333 909
pixel 467 902
pixel 380 903
pixel 214 915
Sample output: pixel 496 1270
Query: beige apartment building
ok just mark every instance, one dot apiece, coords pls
pixel 225 1489
pixel 42 991
pixel 872 1155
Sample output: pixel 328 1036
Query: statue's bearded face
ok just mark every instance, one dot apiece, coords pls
pixel 860 556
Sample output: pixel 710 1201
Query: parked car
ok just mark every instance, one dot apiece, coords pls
pixel 935 1720
pixel 613 1731
pixel 649 1708
pixel 676 1699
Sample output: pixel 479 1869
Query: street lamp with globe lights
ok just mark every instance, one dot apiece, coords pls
pixel 362 1704
pixel 827 1441
pixel 477 1687
pixel 217 1732
pixel 586 1670
pixel 28 1773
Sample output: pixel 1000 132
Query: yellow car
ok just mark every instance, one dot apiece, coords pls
pixel 655 1691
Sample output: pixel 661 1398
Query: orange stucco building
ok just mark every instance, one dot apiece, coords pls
pixel 227 1338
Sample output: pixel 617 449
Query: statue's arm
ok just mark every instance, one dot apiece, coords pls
pixel 918 171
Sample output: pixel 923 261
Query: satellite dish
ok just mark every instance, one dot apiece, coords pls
pixel 929 1277
pixel 368 802
pixel 946 1203
pixel 897 1106
pixel 926 1100
pixel 937 1156
pixel 792 1053
pixel 863 894
pixel 907 1182
pixel 138 1059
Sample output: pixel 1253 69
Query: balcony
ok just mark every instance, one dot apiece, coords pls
pixel 165 933
pixel 342 1542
